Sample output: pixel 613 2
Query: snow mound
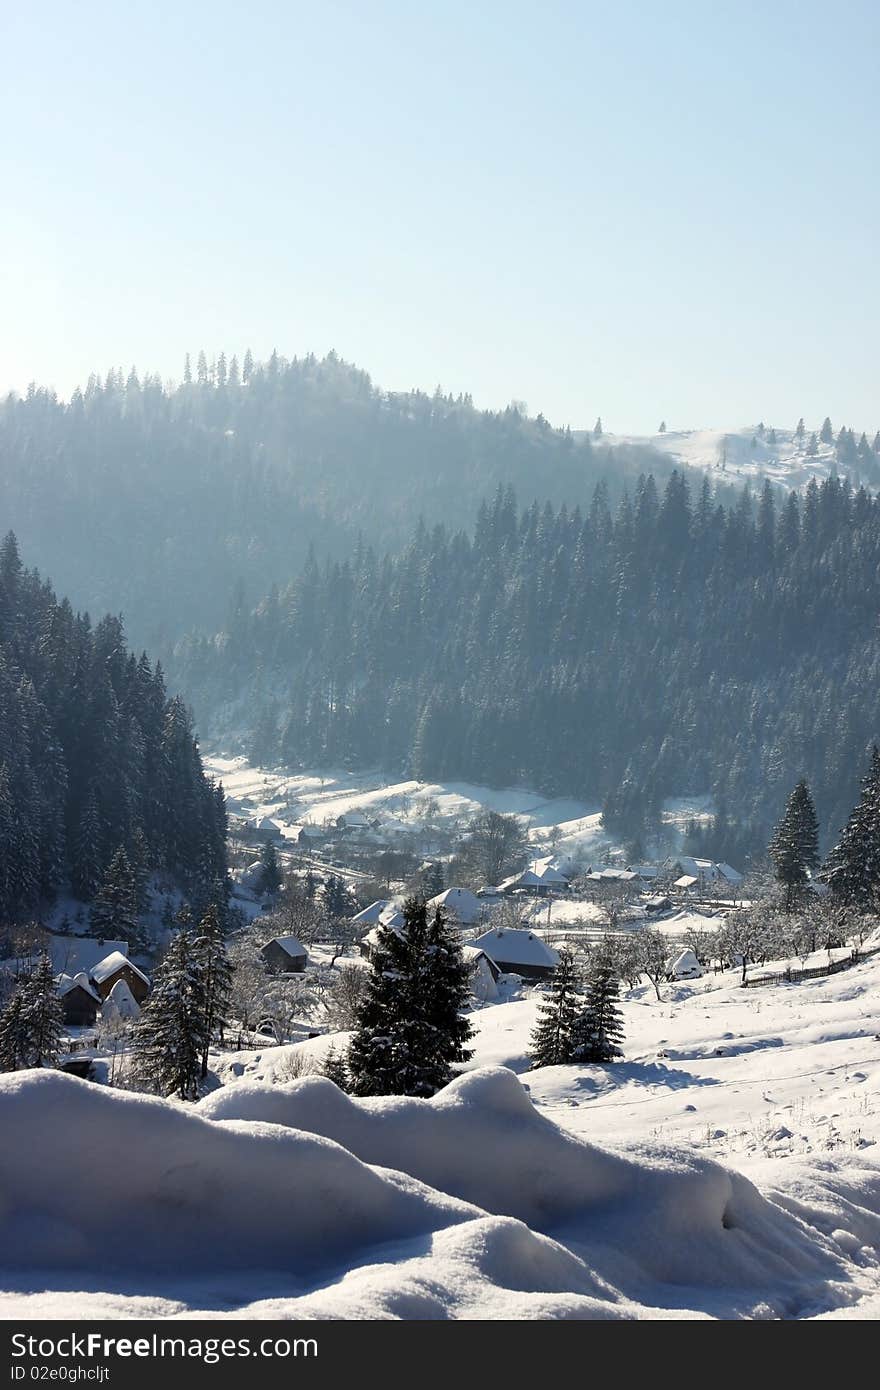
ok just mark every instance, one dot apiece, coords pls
pixel 147 1184
pixel 658 1215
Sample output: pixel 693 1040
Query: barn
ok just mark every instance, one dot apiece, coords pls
pixel 285 955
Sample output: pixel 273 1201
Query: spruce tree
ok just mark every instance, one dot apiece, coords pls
pixel 85 868
pixel 852 869
pixel 599 1029
pixel 794 847
pixel 409 1031
pixel 553 1037
pixel 13 1032
pixel 216 967
pixel 42 1015
pixel 170 1038
pixel 114 911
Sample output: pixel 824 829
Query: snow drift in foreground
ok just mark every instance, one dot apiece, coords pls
pixel 289 1201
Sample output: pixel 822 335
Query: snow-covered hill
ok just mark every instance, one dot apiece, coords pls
pixel 751 454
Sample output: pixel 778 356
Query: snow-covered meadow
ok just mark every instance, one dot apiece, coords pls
pixel 726 1168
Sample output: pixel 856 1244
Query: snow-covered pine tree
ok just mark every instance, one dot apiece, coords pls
pixel 169 1040
pixel 42 1016
pixel 447 990
pixel 13 1032
pixel 599 1031
pixel 794 847
pixel 409 1032
pixel 114 911
pixel 336 1069
pixel 214 960
pixel 553 1036
pixel 852 869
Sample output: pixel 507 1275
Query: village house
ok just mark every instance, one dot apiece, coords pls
pixel 516 951
pixel 80 1001
pixel 460 904
pixel 116 966
pixel 285 955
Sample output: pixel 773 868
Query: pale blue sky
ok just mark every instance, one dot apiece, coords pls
pixel 637 209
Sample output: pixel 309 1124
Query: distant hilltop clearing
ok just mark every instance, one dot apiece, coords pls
pixel 790 457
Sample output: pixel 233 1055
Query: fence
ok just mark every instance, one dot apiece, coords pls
pixel 794 976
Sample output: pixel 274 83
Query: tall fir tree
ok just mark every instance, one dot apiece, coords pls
pixel 13 1032
pixel 114 911
pixel 794 847
pixel 553 1037
pixel 43 1016
pixel 216 966
pixel 599 1029
pixel 171 1035
pixel 409 1030
pixel 852 869
pixel 270 872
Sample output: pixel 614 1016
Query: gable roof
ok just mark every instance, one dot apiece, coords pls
pixel 291 944
pixel 515 947
pixel 460 901
pixel 65 983
pixel 373 912
pixel 111 964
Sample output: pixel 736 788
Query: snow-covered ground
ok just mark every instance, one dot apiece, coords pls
pixel 728 1167
pixel 744 454
pixel 423 809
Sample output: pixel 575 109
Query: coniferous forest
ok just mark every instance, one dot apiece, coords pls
pixel 168 503
pixel 94 757
pixel 667 644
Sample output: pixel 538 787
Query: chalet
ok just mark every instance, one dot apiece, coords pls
pixel 116 966
pixel 80 1001
pixel 285 955
pixel 516 951
pixel 461 904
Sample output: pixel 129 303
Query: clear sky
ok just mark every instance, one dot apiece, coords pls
pixel 644 209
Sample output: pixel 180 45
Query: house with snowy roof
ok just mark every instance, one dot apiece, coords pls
pixel 518 952
pixel 539 878
pixel 461 904
pixel 116 966
pixel 80 1001
pixel 285 955
pixel 369 916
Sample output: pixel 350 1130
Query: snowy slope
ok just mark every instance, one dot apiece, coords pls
pixel 743 454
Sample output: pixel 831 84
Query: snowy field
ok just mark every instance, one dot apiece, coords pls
pixel 420 808
pixel 727 1168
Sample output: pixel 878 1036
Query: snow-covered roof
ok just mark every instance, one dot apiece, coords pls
pixel 72 954
pixel 65 983
pixel 515 947
pixel 291 944
pixel 686 881
pixel 371 913
pixel 541 875
pixel 461 902
pixel 685 964
pixel 732 875
pixel 391 916
pixel 110 964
